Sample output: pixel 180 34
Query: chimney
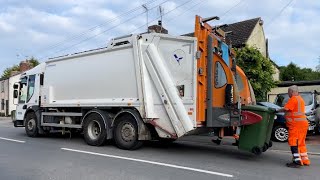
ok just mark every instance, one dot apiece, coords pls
pixel 24 66
pixel 157 28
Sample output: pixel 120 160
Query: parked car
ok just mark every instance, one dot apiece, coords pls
pixel 280 130
pixel 311 100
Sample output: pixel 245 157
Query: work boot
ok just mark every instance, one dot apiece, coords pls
pixel 293 165
pixel 306 164
pixel 217 141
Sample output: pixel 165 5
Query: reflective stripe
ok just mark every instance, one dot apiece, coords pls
pixel 297 159
pixel 296 155
pixel 296 119
pixel 305 158
pixel 299 115
pixel 304 154
pixel 299 105
pixel 300 119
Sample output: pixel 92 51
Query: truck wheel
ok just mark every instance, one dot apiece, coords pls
pixel 94 130
pixel 280 133
pixel 126 133
pixel 31 126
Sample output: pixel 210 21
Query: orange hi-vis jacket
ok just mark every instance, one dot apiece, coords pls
pixel 296 113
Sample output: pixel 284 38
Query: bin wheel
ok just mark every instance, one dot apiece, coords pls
pixel 256 150
pixel 265 147
pixel 270 144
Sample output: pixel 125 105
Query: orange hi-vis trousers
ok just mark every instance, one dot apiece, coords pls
pixel 297 136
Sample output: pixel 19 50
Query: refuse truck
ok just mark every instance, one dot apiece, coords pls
pixel 140 87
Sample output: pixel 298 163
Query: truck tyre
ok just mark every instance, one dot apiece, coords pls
pixel 31 125
pixel 94 130
pixel 126 133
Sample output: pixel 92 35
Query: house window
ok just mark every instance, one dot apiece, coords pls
pixel 2 86
pixel 2 104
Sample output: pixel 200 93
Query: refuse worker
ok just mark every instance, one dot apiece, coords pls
pixel 219 132
pixel 297 124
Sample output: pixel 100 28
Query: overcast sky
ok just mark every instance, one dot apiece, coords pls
pixel 49 28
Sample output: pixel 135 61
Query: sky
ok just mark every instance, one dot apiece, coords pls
pixel 50 28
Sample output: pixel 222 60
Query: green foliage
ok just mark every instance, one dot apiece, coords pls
pixel 258 69
pixel 7 72
pixel 292 72
pixel 33 62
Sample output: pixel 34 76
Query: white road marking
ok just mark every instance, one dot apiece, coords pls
pixel 13 140
pixel 150 162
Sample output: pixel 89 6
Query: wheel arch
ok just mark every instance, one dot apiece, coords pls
pixel 37 111
pixel 143 131
pixel 106 119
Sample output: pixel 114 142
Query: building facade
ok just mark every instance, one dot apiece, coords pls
pixel 250 33
pixel 4 97
pixel 304 86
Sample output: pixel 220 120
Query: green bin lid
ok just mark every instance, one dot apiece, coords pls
pixel 257 108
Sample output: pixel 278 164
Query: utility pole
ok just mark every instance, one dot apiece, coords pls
pixel 161 14
pixel 147 12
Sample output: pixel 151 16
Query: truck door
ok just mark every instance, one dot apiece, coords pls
pixel 216 83
pixel 27 84
pixel 222 87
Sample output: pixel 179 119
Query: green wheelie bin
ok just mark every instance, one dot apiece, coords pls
pixel 268 142
pixel 255 138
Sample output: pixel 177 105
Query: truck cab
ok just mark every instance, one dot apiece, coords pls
pixel 27 93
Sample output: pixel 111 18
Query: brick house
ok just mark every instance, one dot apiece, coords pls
pixel 6 89
pixel 250 33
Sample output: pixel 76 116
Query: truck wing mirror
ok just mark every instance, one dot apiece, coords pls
pixel 15 94
pixel 16 86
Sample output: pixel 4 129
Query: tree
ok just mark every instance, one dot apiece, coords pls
pixel 292 72
pixel 7 72
pixel 258 69
pixel 33 62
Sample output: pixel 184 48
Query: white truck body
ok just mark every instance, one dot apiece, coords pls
pixel 141 71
